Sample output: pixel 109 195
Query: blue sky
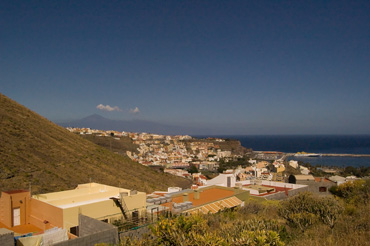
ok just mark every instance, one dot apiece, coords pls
pixel 242 67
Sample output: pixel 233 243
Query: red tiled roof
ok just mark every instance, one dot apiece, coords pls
pixel 318 179
pixel 203 177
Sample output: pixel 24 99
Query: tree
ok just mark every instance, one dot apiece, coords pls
pixel 193 169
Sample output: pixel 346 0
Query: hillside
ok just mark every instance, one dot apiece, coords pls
pixel 35 151
pixel 120 146
pixel 229 144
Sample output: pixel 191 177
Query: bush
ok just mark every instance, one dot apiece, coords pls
pixel 304 210
pixel 356 192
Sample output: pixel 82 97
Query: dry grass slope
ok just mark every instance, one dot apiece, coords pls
pixel 37 151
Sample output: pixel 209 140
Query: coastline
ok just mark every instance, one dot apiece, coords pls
pixel 333 155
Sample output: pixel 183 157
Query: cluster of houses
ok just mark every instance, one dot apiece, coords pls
pixel 175 152
pixel 96 213
pixel 168 151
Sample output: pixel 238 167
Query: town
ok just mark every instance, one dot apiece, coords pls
pixel 223 177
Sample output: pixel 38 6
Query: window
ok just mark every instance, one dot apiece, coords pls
pixel 322 189
pixel 135 216
pixel 74 230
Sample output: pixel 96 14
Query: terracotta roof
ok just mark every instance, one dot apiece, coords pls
pixel 318 179
pixel 214 207
pixel 205 196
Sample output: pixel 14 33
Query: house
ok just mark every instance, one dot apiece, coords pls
pixel 225 180
pixel 210 199
pixel 260 188
pixel 293 164
pixel 14 208
pixel 304 170
pixel 20 211
pixel 199 179
pixel 318 185
pixel 337 179
pixel 271 190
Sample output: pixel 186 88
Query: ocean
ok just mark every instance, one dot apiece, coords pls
pixel 345 144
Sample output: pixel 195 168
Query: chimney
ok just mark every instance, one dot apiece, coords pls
pixel 196 194
pixel 133 192
pixel 185 197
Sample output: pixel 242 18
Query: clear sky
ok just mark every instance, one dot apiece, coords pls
pixel 243 67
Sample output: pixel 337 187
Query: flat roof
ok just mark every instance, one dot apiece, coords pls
pixel 82 195
pixel 21 229
pixel 205 196
pixel 277 189
pixel 15 191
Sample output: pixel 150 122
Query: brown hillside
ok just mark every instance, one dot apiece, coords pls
pixel 35 151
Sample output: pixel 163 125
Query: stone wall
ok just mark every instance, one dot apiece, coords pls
pixel 92 232
pixel 6 237
pixel 282 195
pixel 314 187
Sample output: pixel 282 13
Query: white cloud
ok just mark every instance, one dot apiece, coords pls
pixel 108 108
pixel 135 110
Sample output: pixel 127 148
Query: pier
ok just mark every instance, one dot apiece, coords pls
pixel 334 155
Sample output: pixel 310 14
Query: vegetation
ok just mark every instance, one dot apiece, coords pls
pixel 228 145
pixel 120 146
pixel 356 171
pixel 304 220
pixel 316 170
pixel 193 169
pixel 232 164
pixel 305 210
pixel 354 193
pixel 35 151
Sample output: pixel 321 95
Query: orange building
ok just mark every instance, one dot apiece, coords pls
pixel 203 200
pixel 14 208
pixel 22 213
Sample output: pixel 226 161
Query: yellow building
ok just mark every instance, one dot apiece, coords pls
pixel 61 209
pixel 94 200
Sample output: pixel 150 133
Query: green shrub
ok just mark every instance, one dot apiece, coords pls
pixel 304 210
pixel 356 192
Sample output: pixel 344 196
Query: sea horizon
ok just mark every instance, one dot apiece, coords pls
pixel 321 144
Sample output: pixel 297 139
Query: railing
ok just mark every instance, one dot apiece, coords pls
pixel 142 219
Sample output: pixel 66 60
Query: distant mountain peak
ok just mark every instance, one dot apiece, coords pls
pixel 94 117
pixel 96 121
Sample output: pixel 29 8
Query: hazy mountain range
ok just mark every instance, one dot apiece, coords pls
pixel 96 121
